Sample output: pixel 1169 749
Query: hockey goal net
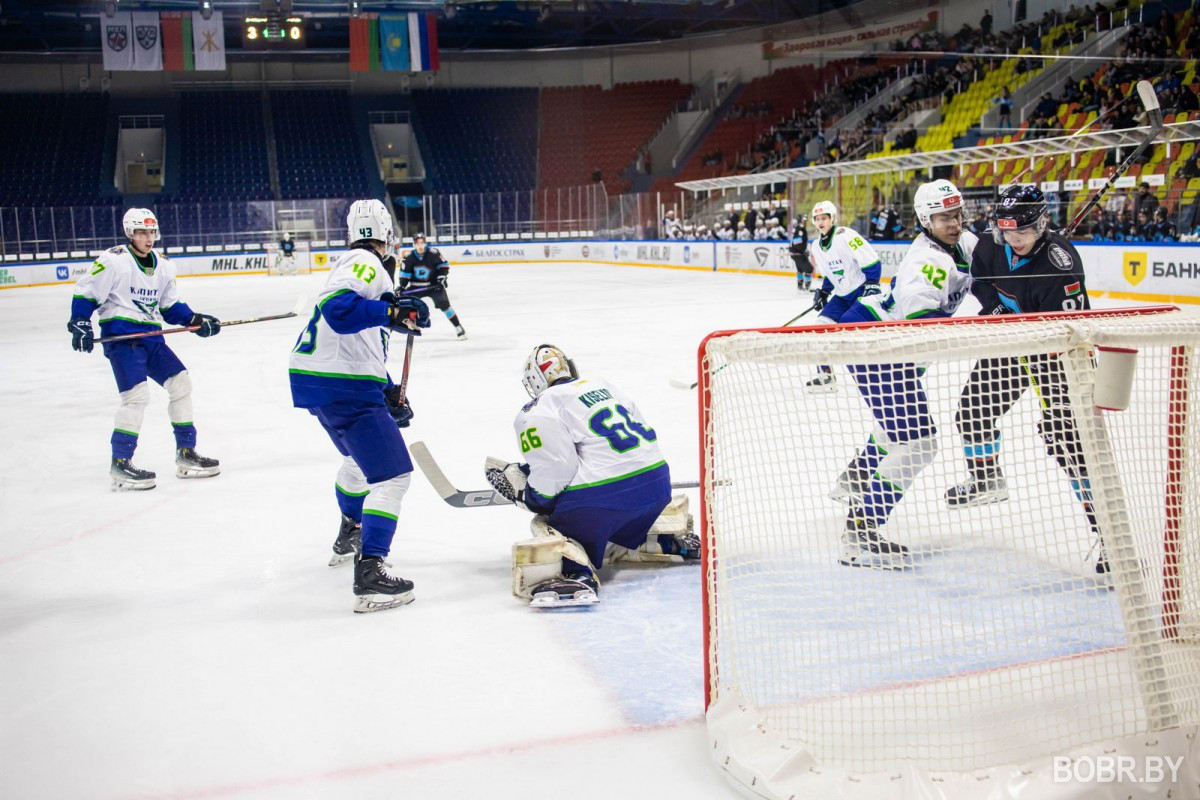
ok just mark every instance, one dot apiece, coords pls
pixel 965 666
pixel 300 261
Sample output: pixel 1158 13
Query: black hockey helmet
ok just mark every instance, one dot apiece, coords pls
pixel 418 235
pixel 1022 207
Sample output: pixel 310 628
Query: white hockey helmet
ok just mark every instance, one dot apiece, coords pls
pixel 546 366
pixel 369 219
pixel 140 219
pixel 933 198
pixel 824 207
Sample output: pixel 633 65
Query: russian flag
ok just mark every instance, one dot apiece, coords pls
pixel 423 46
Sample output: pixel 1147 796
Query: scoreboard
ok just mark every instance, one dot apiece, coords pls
pixel 273 32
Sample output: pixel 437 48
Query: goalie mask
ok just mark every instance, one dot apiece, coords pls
pixel 370 220
pixel 140 219
pixel 546 366
pixel 1021 217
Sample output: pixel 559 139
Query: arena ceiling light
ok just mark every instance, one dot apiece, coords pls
pixel 206 9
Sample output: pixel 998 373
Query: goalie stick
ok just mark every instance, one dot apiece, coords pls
pixel 301 302
pixel 477 498
pixel 678 384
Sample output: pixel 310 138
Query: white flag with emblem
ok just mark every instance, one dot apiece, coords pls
pixel 116 40
pixel 147 41
pixel 208 42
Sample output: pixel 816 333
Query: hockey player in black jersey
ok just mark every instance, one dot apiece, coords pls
pixel 1022 268
pixel 425 268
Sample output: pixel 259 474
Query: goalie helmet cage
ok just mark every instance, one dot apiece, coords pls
pixel 999 647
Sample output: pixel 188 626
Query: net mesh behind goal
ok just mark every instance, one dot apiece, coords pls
pixel 300 261
pixel 992 640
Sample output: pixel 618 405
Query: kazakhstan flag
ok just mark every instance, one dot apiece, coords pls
pixel 393 33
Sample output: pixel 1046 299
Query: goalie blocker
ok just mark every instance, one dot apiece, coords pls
pixel 597 481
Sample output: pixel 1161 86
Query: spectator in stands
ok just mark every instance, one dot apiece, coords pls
pixel 1186 100
pixel 1145 200
pixel 1046 107
pixel 597 175
pixel 1190 168
pixel 1005 101
pixel 985 24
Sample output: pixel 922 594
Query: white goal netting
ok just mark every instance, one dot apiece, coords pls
pixel 985 641
pixel 299 262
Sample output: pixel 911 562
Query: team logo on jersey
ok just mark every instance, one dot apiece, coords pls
pixel 1059 257
pixel 1135 268
pixel 147 307
pixel 147 36
pixel 118 37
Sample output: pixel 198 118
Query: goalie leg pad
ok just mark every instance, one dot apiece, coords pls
pixel 670 540
pixel 538 560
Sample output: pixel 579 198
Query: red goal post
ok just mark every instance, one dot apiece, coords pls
pixel 997 646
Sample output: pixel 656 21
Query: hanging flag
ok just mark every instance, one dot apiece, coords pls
pixel 147 43
pixel 177 41
pixel 393 37
pixel 116 40
pixel 422 42
pixel 364 43
pixel 208 41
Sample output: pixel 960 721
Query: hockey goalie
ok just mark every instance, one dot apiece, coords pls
pixel 596 481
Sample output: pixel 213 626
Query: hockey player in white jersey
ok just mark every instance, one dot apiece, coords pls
pixel 596 480
pixel 932 280
pixel 133 287
pixel 338 372
pixel 851 269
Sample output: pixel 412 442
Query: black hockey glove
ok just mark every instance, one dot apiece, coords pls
pixel 871 288
pixel 81 334
pixel 209 325
pixel 820 298
pixel 398 406
pixel 405 310
pixel 443 280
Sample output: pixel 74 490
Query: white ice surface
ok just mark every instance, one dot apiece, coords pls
pixel 191 642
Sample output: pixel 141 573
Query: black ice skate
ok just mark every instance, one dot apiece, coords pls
pixel 460 331
pixel 125 476
pixel 978 490
pixel 862 546
pixel 375 589
pixel 348 542
pixel 190 464
pixel 851 484
pixel 564 592
pixel 825 382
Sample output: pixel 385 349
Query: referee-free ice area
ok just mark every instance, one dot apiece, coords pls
pixel 191 641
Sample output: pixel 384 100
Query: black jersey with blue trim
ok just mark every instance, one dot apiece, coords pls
pixel 1048 279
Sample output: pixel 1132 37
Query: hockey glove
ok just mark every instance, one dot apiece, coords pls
pixel 443 280
pixel 509 480
pixel 406 310
pixel 870 289
pixel 81 334
pixel 209 325
pixel 820 298
pixel 398 406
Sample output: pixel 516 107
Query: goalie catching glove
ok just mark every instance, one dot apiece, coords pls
pixel 509 480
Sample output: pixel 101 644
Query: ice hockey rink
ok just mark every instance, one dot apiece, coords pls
pixel 191 642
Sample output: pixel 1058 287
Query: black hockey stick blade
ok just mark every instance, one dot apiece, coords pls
pixel 478 498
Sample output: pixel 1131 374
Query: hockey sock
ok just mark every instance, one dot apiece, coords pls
pixel 185 434
pixel 895 474
pixel 381 509
pixel 982 457
pixel 123 443
pixel 869 457
pixel 351 489
pixel 452 316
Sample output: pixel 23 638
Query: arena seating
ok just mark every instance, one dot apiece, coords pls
pixel 223 147
pixel 317 144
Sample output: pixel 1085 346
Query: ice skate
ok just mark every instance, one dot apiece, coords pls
pixel 862 546
pixel 460 331
pixel 190 464
pixel 127 477
pixel 563 592
pixel 348 542
pixel 825 382
pixel 851 485
pixel 979 490
pixel 375 589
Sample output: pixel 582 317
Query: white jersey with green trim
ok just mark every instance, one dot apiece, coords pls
pixel 323 352
pixel 930 281
pixel 584 433
pixel 126 292
pixel 844 261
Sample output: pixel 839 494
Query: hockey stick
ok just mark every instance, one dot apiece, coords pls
pixel 678 384
pixel 301 302
pixel 478 498
pixel 1150 101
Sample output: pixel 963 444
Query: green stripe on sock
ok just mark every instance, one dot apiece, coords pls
pixel 181 424
pixel 127 433
pixel 349 493
pixel 375 513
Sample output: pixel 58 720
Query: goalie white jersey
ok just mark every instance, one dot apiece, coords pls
pixel 583 434
pixel 847 263
pixel 127 293
pixel 930 281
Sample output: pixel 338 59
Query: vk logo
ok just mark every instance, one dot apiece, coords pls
pixel 62 272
